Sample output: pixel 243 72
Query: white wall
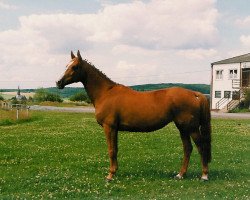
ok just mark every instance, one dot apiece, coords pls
pixel 224 84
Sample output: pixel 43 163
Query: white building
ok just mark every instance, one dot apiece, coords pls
pixel 229 78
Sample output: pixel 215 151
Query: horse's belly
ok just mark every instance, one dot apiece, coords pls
pixel 142 125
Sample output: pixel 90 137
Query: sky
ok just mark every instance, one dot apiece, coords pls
pixel 132 42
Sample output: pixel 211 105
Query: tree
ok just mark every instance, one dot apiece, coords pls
pixel 80 96
pixel 1 98
pixel 42 94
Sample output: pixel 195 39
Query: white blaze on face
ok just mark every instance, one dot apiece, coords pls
pixel 68 65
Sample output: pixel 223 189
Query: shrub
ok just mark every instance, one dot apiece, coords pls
pixel 1 98
pixel 30 99
pixel 23 100
pixel 14 100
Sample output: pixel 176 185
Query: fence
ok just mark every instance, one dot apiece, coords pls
pixel 17 107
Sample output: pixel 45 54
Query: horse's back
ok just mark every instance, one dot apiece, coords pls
pixel 135 111
pixel 146 111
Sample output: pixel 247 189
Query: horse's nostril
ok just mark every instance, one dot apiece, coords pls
pixel 59 84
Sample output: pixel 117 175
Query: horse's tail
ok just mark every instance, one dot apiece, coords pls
pixel 205 129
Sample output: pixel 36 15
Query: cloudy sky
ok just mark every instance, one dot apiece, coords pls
pixel 133 42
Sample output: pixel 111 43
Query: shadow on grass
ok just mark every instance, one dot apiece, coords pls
pixel 152 174
pixel 227 175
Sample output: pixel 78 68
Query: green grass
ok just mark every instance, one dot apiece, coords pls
pixel 64 155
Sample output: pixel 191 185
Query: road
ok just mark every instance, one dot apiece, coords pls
pixel 90 109
pixel 86 109
pixel 230 115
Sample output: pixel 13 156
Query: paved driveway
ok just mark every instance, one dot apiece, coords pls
pixel 231 115
pixel 90 109
pixel 64 109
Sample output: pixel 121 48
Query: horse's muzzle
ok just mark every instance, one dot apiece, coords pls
pixel 60 84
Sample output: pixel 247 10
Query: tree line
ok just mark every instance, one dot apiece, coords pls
pixel 78 94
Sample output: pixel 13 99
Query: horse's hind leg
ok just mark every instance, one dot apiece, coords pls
pixel 196 136
pixel 187 147
pixel 111 137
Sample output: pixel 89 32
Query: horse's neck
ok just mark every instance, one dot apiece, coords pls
pixel 96 83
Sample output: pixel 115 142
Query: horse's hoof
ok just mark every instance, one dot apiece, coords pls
pixel 108 179
pixel 178 177
pixel 204 178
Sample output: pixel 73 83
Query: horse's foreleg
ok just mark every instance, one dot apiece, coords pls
pixel 111 136
pixel 196 136
pixel 187 147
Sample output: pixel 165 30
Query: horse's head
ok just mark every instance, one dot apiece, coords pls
pixel 73 71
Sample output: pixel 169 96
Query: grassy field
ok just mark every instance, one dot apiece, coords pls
pixel 9 117
pixel 64 155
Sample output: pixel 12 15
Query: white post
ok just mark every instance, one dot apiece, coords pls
pixel 18 107
pixel 17 113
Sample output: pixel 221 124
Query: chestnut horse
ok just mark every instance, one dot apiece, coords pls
pixel 120 108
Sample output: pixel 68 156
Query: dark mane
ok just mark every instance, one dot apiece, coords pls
pixel 97 71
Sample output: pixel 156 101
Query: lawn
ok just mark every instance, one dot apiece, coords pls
pixel 64 155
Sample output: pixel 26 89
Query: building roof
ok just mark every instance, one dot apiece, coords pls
pixel 236 59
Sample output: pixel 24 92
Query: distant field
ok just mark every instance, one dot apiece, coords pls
pixel 69 91
pixel 9 95
pixel 64 155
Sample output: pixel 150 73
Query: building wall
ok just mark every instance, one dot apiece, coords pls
pixel 222 81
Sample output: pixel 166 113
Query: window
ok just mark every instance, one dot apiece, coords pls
pixel 217 94
pixel 219 74
pixel 227 94
pixel 233 73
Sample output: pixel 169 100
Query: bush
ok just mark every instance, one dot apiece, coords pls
pixel 1 98
pixel 247 98
pixel 43 95
pixel 23 100
pixel 80 96
pixel 14 100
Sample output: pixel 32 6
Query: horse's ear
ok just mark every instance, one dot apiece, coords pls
pixel 72 55
pixel 79 55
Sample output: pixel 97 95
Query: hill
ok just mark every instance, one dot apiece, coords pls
pixel 203 88
pixel 69 91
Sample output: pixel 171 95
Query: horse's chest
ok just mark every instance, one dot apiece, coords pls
pixel 106 117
